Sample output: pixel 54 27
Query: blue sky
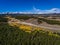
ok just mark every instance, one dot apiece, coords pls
pixel 28 5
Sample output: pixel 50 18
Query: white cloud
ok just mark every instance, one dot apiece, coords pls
pixel 53 10
pixel 39 11
pixel 35 9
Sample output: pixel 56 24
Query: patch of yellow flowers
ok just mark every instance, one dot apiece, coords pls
pixel 13 24
pixel 52 34
pixel 29 29
pixel 26 28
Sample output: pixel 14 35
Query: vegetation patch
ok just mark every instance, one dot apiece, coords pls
pixel 23 17
pixel 10 35
pixel 53 22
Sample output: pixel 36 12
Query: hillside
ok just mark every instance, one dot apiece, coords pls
pixel 14 36
pixel 13 32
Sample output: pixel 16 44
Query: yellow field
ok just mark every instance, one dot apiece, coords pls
pixel 29 29
pixel 26 28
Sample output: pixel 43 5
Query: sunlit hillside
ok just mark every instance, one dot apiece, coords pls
pixel 15 32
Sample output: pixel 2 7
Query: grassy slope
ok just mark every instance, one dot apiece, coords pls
pixel 13 36
pixel 53 22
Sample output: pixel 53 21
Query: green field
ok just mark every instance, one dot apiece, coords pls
pixel 14 36
pixel 10 35
pixel 52 22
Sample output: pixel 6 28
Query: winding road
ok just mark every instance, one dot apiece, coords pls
pixel 55 28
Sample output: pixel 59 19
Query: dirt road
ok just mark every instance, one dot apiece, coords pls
pixel 42 26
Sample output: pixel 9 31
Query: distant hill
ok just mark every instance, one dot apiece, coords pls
pixel 14 14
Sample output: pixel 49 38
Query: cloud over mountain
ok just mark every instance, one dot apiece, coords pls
pixel 39 11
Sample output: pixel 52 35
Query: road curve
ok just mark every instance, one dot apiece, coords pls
pixel 42 26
